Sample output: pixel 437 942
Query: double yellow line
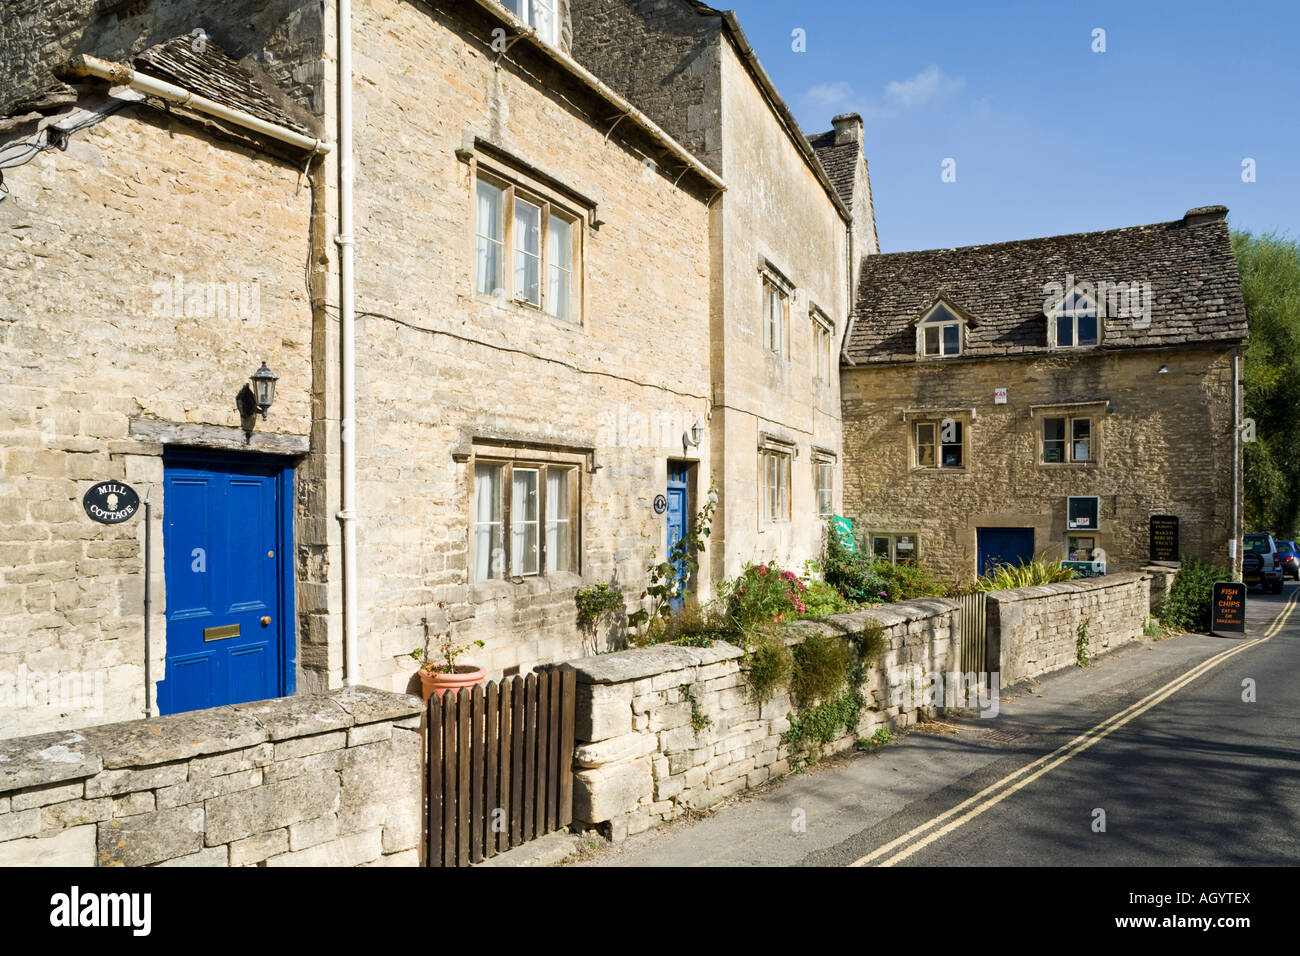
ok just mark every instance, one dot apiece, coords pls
pixel 921 836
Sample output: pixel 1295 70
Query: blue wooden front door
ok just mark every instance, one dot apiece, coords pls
pixel 1012 546
pixel 678 514
pixel 226 555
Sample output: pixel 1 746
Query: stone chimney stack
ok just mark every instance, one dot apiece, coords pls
pixel 1203 214
pixel 848 129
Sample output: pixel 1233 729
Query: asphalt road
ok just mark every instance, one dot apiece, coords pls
pixel 1184 770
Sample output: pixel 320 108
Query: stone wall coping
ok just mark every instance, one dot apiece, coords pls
pixel 640 662
pixel 891 615
pixel 623 666
pixel 64 756
pixel 1036 591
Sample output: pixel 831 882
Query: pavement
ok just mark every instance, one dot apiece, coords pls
pixel 1138 759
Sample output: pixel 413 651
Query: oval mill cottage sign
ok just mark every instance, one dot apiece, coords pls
pixel 110 502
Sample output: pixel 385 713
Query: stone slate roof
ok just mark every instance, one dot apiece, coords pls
pixel 1195 289
pixel 839 162
pixel 211 72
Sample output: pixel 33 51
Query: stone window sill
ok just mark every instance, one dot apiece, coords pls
pixel 527 308
pixel 510 588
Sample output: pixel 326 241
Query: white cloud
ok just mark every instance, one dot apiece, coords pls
pixel 828 96
pixel 929 84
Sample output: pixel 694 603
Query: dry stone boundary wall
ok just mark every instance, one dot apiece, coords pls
pixel 331 780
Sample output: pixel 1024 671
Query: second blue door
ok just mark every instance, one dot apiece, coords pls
pixel 679 514
pixel 226 545
pixel 1013 546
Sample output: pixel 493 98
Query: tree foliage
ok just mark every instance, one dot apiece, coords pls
pixel 1270 281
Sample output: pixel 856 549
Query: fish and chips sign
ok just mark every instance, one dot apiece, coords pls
pixel 111 502
pixel 1229 609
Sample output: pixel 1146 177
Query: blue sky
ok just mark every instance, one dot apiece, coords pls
pixel 1048 136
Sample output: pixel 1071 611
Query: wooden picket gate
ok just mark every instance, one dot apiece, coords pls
pixel 974 632
pixel 500 766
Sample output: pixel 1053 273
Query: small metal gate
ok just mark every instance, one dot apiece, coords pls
pixel 500 766
pixel 974 633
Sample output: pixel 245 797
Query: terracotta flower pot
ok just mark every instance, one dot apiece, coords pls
pixel 466 675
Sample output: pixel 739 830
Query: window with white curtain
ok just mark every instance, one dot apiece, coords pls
pixel 490 219
pixel 776 320
pixel 822 346
pixel 559 265
pixel 543 242
pixel 558 521
pixel 489 548
pixel 538 14
pixel 825 477
pixel 775 468
pixel 535 505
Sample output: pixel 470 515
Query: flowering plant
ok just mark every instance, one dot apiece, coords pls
pixel 765 594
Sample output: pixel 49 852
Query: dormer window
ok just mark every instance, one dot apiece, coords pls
pixel 940 332
pixel 538 14
pixel 1072 323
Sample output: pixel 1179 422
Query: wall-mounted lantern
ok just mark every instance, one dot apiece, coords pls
pixel 263 388
pixel 692 437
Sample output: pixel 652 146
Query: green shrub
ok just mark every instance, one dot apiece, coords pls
pixel 864 579
pixel 815 728
pixel 869 643
pixel 821 668
pixel 597 601
pixel 764 594
pixel 1081 656
pixel 906 581
pixel 768 661
pixel 1006 577
pixel 1189 605
pixel 882 736
pixel 693 625
pixel 852 575
pixel 822 600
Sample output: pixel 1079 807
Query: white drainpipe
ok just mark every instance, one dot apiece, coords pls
pixel 347 336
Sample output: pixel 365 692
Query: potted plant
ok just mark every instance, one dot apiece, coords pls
pixel 439 671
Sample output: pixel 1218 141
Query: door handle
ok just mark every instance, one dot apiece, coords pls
pixel 266 622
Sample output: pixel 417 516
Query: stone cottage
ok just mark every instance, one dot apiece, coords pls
pixel 1048 397
pixel 527 381
pixel 785 242
pixel 151 259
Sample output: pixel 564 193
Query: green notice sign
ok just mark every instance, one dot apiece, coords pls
pixel 844 528
pixel 1086 569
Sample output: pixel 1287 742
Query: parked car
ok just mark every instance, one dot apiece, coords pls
pixel 1290 557
pixel 1261 563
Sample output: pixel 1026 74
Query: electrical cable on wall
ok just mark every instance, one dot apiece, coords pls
pixel 524 352
pixel 50 137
